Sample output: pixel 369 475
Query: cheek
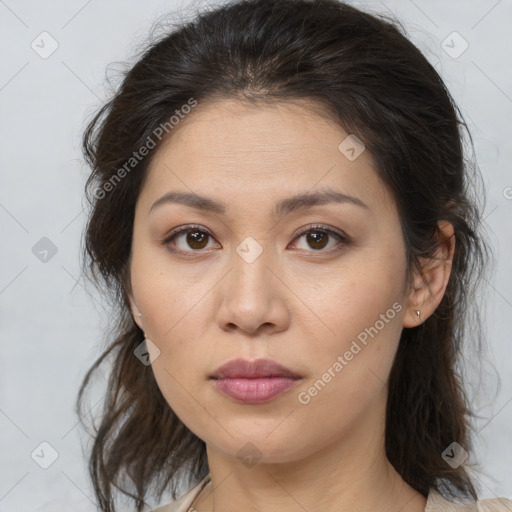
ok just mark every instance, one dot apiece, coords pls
pixel 353 298
pixel 167 297
pixel 351 360
pixel 348 383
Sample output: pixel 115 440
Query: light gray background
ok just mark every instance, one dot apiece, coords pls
pixel 52 330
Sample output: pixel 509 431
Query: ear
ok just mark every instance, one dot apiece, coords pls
pixel 135 311
pixel 430 284
pixel 129 292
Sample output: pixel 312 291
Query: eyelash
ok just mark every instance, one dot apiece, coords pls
pixel 342 239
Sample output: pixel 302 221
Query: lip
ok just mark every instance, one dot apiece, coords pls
pixel 257 368
pixel 254 382
pixel 254 391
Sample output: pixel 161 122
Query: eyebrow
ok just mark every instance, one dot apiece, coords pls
pixel 282 208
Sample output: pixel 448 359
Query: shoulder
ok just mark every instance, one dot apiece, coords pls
pixel 436 503
pixel 183 503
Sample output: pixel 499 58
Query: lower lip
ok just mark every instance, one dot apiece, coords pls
pixel 255 391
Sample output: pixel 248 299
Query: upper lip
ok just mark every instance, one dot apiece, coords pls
pixel 253 369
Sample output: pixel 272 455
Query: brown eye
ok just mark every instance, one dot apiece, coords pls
pixel 192 239
pixel 318 237
pixel 196 239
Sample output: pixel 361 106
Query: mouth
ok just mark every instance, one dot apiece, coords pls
pixel 255 369
pixel 254 391
pixel 254 382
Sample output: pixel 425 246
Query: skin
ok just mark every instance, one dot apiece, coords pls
pixel 298 303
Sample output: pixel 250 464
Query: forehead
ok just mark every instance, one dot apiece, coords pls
pixel 231 149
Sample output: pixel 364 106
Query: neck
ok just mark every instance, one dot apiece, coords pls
pixel 338 478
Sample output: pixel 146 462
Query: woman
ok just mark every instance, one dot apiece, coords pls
pixel 281 210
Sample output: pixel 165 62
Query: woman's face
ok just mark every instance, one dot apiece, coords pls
pixel 249 285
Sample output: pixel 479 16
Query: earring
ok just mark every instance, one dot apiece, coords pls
pixel 140 315
pixel 418 314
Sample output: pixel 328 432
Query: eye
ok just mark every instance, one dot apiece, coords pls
pixel 196 239
pixel 317 237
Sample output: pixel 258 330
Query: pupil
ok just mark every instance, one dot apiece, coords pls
pixel 315 236
pixel 194 238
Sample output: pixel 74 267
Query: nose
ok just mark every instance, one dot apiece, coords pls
pixel 253 296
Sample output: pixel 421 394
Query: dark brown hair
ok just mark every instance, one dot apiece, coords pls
pixel 362 70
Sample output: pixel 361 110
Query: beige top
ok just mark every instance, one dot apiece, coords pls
pixel 435 502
